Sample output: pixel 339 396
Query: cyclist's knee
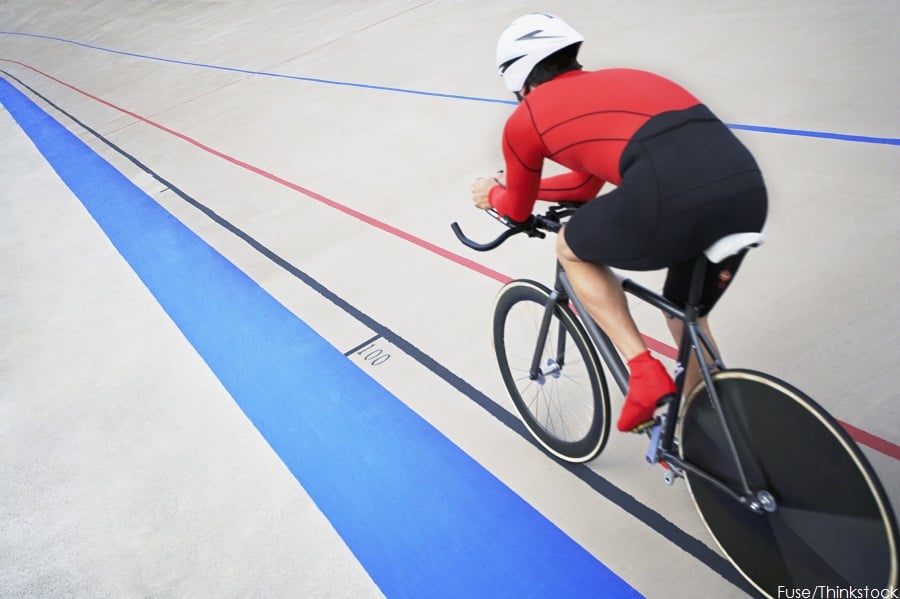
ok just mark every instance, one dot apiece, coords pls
pixel 563 252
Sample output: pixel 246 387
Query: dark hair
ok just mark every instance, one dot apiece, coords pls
pixel 561 61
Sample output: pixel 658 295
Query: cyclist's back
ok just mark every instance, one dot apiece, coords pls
pixel 665 150
pixel 583 120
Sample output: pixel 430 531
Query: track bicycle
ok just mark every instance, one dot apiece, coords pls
pixel 783 490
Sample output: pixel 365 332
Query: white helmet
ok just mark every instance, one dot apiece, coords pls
pixel 527 41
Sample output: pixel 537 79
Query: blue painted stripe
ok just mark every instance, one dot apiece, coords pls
pixel 889 141
pixel 755 128
pixel 422 517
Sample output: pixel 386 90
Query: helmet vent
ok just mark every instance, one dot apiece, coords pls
pixel 509 63
pixel 536 35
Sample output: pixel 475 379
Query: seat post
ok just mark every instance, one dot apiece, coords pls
pixel 696 292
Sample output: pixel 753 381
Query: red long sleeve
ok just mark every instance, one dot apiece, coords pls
pixel 583 121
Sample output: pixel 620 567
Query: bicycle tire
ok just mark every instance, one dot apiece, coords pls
pixel 833 525
pixel 567 409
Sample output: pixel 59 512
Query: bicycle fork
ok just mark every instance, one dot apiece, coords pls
pixel 558 300
pixel 537 372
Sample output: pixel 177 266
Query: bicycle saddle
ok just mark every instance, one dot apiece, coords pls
pixel 732 244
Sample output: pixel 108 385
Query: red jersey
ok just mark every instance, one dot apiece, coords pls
pixel 582 120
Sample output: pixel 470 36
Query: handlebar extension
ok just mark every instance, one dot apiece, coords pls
pixel 533 227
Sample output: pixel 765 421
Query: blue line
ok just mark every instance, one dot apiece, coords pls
pixel 758 129
pixel 266 73
pixel 820 134
pixel 422 517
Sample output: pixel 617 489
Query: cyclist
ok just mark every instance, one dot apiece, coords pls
pixel 682 181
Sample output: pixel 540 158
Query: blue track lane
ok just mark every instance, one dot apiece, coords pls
pixel 422 517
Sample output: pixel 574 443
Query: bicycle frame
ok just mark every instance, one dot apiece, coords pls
pixel 694 340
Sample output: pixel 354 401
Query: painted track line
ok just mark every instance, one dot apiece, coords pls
pixel 754 128
pixel 860 436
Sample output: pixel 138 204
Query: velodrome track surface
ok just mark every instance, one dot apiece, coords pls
pixel 246 357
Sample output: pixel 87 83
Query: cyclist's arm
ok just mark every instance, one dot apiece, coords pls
pixel 523 152
pixel 570 187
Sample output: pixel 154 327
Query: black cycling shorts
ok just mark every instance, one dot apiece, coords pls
pixel 686 182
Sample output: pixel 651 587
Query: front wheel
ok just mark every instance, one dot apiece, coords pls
pixel 563 402
pixel 828 520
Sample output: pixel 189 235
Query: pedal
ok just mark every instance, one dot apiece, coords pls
pixel 644 427
pixel 648 426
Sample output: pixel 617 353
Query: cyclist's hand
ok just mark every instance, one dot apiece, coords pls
pixel 481 188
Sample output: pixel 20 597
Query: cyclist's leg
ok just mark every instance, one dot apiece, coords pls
pixel 619 230
pixel 603 297
pixel 601 293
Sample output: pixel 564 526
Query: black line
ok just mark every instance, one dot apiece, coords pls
pixel 361 345
pixel 604 487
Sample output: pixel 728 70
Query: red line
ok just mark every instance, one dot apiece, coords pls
pixel 462 261
pixel 859 435
pixel 660 347
pixel 869 440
